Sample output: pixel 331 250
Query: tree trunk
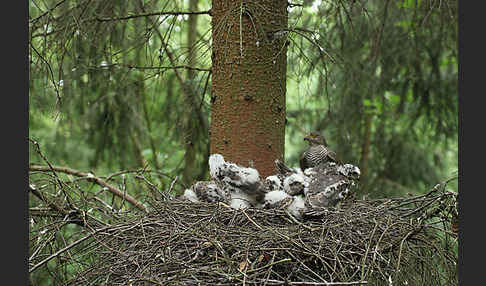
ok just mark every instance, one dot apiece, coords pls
pixel 190 124
pixel 249 81
pixel 365 153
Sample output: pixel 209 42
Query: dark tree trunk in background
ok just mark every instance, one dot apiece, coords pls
pixel 248 81
pixel 365 154
pixel 190 123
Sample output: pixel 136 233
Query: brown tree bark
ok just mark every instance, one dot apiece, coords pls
pixel 249 81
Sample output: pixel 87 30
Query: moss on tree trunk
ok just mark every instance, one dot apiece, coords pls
pixel 248 81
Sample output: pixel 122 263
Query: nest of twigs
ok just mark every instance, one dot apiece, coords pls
pixel 80 237
pixel 403 240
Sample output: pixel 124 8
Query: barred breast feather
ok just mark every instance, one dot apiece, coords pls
pixel 316 155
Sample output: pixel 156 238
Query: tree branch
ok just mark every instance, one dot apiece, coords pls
pixel 152 67
pixel 160 13
pixel 92 178
pixel 47 12
pixel 57 253
pixel 278 282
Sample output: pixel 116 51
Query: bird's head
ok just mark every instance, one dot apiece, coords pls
pixel 315 138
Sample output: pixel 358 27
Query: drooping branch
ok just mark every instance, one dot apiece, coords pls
pixel 104 19
pixel 92 178
pixel 164 67
pixel 159 13
pixel 128 17
pixel 73 214
pixel 47 12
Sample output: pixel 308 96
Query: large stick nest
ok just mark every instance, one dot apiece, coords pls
pixel 185 243
pixel 195 242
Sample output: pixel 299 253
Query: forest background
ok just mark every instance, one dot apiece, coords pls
pixel 108 85
pixel 378 78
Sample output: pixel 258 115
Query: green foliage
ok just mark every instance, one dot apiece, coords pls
pixel 94 105
pixel 394 62
pixel 409 4
pixel 107 93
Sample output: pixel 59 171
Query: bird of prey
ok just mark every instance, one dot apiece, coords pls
pixel 350 171
pixel 317 153
pixel 208 192
pixel 294 181
pixel 272 183
pixel 277 200
pixel 295 205
pixel 282 169
pixel 328 185
pixel 240 184
pixel 296 184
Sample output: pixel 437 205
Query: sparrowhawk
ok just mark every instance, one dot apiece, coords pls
pixel 317 153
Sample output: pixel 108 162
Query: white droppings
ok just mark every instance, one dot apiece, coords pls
pixel 191 195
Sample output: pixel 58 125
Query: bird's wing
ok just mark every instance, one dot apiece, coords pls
pixel 282 168
pixel 333 156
